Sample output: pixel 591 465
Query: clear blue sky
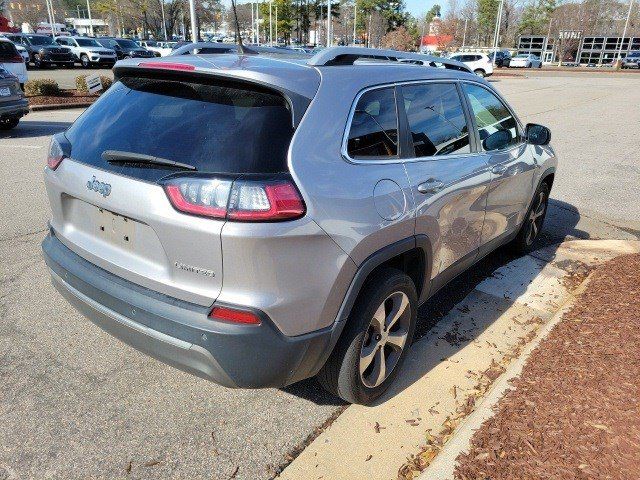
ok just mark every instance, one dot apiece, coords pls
pixel 419 7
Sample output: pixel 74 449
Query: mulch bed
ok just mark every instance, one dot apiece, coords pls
pixel 65 97
pixel 575 412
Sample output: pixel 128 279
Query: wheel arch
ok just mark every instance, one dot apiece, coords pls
pixel 412 255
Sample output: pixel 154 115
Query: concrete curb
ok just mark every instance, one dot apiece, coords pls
pixel 59 106
pixel 443 466
pixel 496 322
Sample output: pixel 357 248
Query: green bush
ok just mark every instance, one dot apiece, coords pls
pixel 43 86
pixel 81 83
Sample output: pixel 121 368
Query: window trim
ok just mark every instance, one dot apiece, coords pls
pixel 403 127
pixel 345 138
pixel 480 150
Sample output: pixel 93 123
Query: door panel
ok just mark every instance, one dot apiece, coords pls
pixel 448 181
pixel 512 162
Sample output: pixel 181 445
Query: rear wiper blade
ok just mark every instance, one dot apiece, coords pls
pixel 116 156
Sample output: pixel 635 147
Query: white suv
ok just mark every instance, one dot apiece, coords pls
pixel 88 51
pixel 478 62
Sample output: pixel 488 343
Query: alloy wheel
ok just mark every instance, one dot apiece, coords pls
pixel 385 339
pixel 536 217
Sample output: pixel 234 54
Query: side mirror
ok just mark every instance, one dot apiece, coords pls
pixel 537 134
pixel 497 140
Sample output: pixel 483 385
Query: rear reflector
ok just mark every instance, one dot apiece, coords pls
pixel 251 200
pixel 234 316
pixel 168 66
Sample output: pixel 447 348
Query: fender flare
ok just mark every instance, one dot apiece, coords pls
pixel 376 259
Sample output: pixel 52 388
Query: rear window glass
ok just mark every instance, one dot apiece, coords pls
pixel 219 127
pixel 7 50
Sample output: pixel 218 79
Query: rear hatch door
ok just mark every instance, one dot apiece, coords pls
pixel 118 216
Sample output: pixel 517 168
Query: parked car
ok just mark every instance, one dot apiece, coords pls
pixel 152 46
pixel 502 58
pixel 479 63
pixel 259 222
pixel 632 60
pixel 12 61
pixel 88 51
pixel 43 50
pixel 125 47
pixel 525 60
pixel 13 105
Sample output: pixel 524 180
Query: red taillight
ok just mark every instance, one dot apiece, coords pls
pixel 239 200
pixel 234 316
pixel 255 201
pixel 55 155
pixel 168 66
pixel 17 58
pixel 181 203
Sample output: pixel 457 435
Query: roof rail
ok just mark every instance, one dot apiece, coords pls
pixel 348 55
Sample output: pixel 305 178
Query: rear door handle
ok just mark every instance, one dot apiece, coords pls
pixel 499 169
pixel 431 186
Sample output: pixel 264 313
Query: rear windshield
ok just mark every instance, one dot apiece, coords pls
pixel 7 50
pixel 224 128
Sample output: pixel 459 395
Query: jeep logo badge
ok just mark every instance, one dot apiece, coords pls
pixel 103 189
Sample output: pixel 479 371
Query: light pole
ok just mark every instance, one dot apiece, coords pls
pixel 328 23
pixel 90 20
pixel 270 24
pixel 355 18
pixel 464 34
pixel 50 13
pixel 276 24
pixel 164 21
pixel 192 12
pixel 497 32
pixel 624 32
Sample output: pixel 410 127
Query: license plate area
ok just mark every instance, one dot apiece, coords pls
pixel 116 229
pixel 5 92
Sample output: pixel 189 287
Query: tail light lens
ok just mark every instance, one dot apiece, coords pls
pixel 55 155
pixel 243 200
pixel 17 58
pixel 234 316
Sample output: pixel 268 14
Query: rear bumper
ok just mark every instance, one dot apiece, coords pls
pixel 179 333
pixel 14 109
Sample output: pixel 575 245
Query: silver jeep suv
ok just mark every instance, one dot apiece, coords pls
pixel 257 221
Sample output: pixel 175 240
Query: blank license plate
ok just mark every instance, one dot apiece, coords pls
pixel 5 92
pixel 116 228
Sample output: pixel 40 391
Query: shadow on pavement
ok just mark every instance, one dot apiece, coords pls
pixel 560 224
pixel 34 128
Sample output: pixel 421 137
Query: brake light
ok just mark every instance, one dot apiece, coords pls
pixel 168 66
pixel 234 316
pixel 17 58
pixel 243 200
pixel 55 155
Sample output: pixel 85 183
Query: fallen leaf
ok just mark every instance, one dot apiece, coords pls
pixel 129 466
pixel 369 457
pixel 151 463
pixel 235 472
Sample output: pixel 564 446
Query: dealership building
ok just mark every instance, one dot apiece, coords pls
pixel 585 50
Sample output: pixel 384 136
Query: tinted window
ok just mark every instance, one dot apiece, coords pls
pixel 87 42
pixel 40 40
pixel 126 43
pixel 436 119
pixel 7 50
pixel 214 127
pixel 374 128
pixel 491 115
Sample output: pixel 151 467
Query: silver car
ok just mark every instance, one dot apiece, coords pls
pixel 257 221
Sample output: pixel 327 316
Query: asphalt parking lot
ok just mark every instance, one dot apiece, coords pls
pixel 77 403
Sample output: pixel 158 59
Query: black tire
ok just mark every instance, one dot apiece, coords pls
pixel 525 241
pixel 479 72
pixel 341 374
pixel 9 123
